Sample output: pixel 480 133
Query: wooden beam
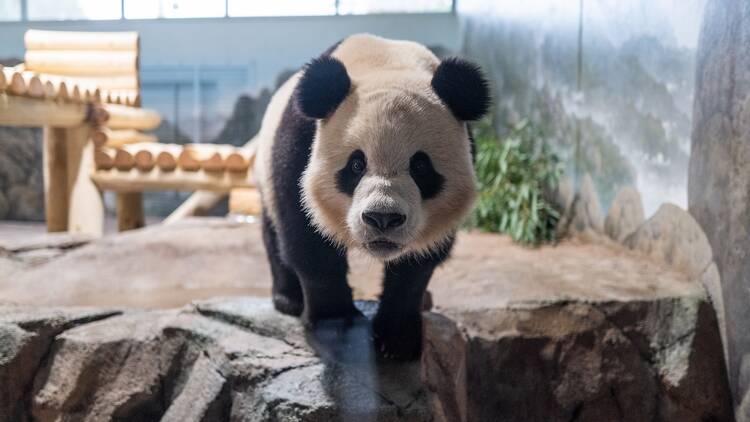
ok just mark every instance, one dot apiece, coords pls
pixel 85 206
pixel 156 179
pixel 129 211
pixel 124 117
pixel 119 138
pixel 106 83
pixel 20 111
pixel 82 63
pixel 75 40
pixel 54 158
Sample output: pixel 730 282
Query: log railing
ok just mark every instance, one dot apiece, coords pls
pixel 83 89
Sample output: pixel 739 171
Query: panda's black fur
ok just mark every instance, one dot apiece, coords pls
pixel 309 272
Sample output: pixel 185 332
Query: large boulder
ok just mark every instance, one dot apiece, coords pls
pixel 625 214
pixel 599 361
pixel 673 236
pixel 718 178
pixel 26 338
pixel 237 359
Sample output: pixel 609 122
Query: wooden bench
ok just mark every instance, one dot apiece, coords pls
pixel 83 88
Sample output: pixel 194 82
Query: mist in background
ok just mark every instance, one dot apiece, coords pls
pixel 629 107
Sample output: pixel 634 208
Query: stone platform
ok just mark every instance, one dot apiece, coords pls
pixel 585 331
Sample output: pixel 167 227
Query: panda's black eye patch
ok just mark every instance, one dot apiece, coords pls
pixel 429 181
pixel 348 177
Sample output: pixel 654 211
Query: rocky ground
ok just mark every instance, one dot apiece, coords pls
pixel 587 330
pixel 169 266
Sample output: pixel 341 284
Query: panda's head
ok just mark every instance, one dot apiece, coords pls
pixel 391 168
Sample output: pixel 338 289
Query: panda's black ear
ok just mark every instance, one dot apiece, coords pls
pixel 323 86
pixel 462 87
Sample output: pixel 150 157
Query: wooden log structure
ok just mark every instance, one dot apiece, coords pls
pixel 189 158
pixel 22 111
pixel 14 81
pixel 155 180
pixel 200 201
pixel 72 40
pixel 82 63
pixel 124 160
pixel 124 117
pixel 118 138
pixel 244 201
pixel 130 215
pixel 90 147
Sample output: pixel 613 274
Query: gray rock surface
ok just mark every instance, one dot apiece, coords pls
pixel 237 359
pixel 605 361
pixel 564 193
pixel 4 206
pixel 625 214
pixel 718 178
pixel 21 185
pixel 584 214
pixel 673 236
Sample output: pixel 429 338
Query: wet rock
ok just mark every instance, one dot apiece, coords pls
pixel 625 214
pixel 672 236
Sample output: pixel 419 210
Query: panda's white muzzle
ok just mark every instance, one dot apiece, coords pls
pixel 385 215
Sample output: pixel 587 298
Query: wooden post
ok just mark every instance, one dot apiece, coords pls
pixel 85 203
pixel 55 158
pixel 244 201
pixel 129 211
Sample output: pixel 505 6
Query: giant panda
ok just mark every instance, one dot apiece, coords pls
pixel 367 147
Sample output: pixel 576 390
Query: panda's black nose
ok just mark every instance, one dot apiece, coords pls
pixel 383 220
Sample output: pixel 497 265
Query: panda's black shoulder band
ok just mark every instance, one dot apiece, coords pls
pixel 462 88
pixel 323 86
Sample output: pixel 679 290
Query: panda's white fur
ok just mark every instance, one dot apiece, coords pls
pixel 390 113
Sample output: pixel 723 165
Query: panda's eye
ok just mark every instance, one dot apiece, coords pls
pixel 420 167
pixel 357 165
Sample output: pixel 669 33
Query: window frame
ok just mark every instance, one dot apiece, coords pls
pixel 25 14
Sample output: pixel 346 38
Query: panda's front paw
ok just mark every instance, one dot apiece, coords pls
pixel 288 305
pixel 398 339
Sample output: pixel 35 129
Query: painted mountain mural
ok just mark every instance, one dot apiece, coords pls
pixel 610 80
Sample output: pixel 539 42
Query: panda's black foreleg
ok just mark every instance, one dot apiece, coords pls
pixel 335 328
pixel 286 290
pixel 397 326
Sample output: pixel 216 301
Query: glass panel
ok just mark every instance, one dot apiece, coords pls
pixel 151 9
pixel 57 10
pixel 282 7
pixel 363 7
pixel 10 10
